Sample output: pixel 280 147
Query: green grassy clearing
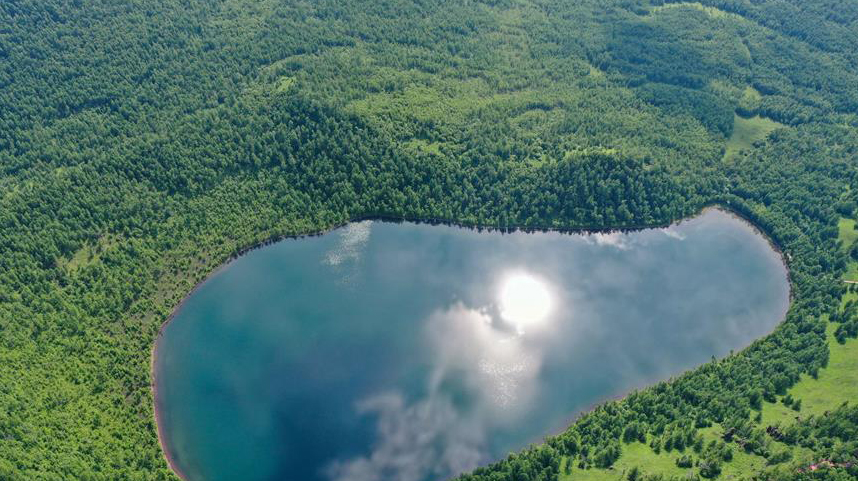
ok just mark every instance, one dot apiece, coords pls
pixel 751 94
pixel 596 73
pixel 712 11
pixel 284 83
pixel 848 235
pixel 836 383
pixel 420 145
pixel 748 131
pixel 750 100
pixel 88 254
pixel 634 455
pixel 642 456
pixel 851 272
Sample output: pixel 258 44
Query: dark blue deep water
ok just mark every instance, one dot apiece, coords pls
pixel 408 352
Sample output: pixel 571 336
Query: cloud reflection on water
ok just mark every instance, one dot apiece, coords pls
pixel 440 436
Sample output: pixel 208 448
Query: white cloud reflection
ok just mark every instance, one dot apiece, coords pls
pixel 427 438
pixel 440 435
pixel 462 338
pixel 612 239
pixel 674 233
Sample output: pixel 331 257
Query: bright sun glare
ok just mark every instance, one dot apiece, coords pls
pixel 524 300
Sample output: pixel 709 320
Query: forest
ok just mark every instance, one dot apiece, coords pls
pixel 145 143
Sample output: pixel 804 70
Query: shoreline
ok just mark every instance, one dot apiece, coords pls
pixel 159 431
pixel 714 206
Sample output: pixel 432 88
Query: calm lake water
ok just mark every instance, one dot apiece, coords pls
pixel 409 352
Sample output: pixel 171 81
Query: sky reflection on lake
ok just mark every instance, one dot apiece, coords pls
pixel 405 352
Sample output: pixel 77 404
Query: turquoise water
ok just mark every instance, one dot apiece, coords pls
pixel 405 352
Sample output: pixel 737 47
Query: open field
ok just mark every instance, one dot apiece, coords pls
pixel 836 384
pixel 848 235
pixel 712 11
pixel 748 131
pixel 634 455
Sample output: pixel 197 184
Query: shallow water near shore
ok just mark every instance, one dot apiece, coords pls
pixel 409 352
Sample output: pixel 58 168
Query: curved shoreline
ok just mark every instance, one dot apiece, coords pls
pixel 723 207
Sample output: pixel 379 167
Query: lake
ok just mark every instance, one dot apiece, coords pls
pixel 410 352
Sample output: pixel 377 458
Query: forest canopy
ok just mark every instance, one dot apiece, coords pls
pixel 144 143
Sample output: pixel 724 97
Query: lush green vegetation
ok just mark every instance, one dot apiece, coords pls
pixel 144 143
pixel 747 131
pixel 848 235
pixel 835 385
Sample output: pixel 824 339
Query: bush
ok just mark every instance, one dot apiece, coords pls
pixel 710 468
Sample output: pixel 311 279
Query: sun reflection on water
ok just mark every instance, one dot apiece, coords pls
pixel 525 300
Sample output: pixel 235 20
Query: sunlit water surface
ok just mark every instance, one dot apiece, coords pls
pixel 403 352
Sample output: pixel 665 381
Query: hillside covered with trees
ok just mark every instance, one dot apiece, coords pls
pixel 144 143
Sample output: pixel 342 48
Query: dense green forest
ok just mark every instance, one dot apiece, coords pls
pixel 144 143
